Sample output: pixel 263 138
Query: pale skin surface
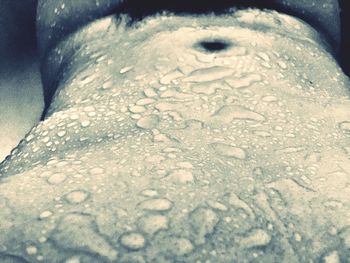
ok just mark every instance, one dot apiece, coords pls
pixel 156 150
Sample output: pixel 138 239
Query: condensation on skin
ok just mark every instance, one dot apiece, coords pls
pixel 154 153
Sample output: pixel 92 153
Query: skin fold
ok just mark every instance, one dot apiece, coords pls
pixel 182 138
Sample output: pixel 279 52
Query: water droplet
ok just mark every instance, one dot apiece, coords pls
pixel 281 64
pixel 136 116
pixel 97 170
pixel 72 260
pixel 217 206
pixel 157 204
pixel 227 114
pixel 181 176
pixel 77 197
pixel 31 250
pixel 148 122
pixel 92 114
pixel 30 137
pixel 262 133
pixel 168 78
pixel 137 109
pixel 149 92
pixel 264 56
pixel 61 133
pixel 57 178
pixel 153 223
pixel 133 241
pixel 331 257
pixel 266 65
pixel 45 214
pixel 209 88
pixel 126 69
pixel 290 150
pixel 89 109
pixel 229 151
pixel 174 93
pixel 269 99
pixel 74 116
pixel 149 193
pixel 136 174
pixel 144 102
pixel 297 237
pixel 161 138
pixel 87 80
pixel 206 58
pixel 243 82
pixel 167 106
pixel 107 85
pixel 209 74
pixel 85 123
pixel 256 238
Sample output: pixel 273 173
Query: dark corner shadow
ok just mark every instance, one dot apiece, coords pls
pixel 18 29
pixel 345 44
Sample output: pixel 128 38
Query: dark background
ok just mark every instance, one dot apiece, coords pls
pixel 17 28
pixel 345 48
pixel 21 100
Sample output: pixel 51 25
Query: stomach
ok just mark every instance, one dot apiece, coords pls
pixel 207 139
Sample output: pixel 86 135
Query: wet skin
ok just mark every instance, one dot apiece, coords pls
pixel 185 139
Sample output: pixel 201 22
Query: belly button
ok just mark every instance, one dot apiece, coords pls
pixel 213 45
